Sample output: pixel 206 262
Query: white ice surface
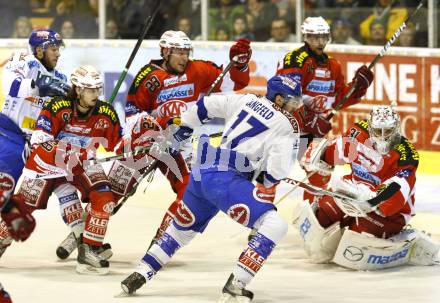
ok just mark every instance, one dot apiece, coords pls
pixel 31 272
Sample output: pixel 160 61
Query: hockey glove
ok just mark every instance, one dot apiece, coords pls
pixel 4 296
pixel 266 194
pixel 242 49
pixel 181 134
pixel 18 219
pixel 49 87
pixel 362 79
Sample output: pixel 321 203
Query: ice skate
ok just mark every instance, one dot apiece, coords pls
pixel 90 262
pixel 65 249
pixel 104 251
pixel 139 277
pixel 234 292
pixel 4 244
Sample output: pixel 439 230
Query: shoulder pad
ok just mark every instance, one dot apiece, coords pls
pixel 143 73
pixel 198 61
pixel 362 124
pixel 408 153
pixel 295 58
pixel 107 110
pixel 56 104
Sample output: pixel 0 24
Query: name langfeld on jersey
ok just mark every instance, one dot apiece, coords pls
pixel 182 91
pixel 320 86
pixel 260 109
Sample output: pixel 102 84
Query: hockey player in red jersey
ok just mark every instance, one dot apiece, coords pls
pixel 322 83
pixel 166 87
pixel 363 228
pixel 68 131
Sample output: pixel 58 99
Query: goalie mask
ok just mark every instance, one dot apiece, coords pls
pixel 288 88
pixel 384 128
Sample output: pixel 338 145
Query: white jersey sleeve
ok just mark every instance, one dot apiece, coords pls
pixel 255 128
pixel 22 101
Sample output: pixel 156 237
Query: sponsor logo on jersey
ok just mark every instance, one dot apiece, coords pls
pixel 375 259
pixel 353 253
pixel 44 123
pixel 68 198
pixel 109 207
pixel 78 129
pixel 130 109
pixel 184 217
pixel 404 173
pixel 362 173
pixel 142 75
pixel 251 261
pixel 36 101
pixel 175 80
pixel 108 111
pixel 28 122
pixel 172 108
pixel 321 86
pixel 182 91
pixel 81 141
pixel 322 73
pixel 239 213
pixel 58 105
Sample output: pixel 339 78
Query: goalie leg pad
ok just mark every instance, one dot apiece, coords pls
pixel 425 250
pixel 319 243
pixel 362 251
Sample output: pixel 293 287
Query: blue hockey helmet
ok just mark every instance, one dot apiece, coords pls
pixel 44 38
pixel 287 87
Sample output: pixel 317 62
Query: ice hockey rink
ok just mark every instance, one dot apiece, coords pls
pixel 31 272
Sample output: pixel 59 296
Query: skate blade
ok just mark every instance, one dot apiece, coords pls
pixel 123 294
pixel 85 269
pixel 106 254
pixel 227 298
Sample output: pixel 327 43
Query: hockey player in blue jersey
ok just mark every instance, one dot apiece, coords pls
pixel 260 135
pixel 28 81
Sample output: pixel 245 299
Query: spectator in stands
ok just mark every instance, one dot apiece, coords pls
pixel 67 29
pixel 185 25
pixel 377 33
pixel 111 30
pixel 341 32
pixel 263 13
pixel 388 14
pixel 221 33
pixel 408 36
pixel 222 14
pixel 22 28
pixel 41 7
pixel 240 29
pixel 80 12
pixel 280 31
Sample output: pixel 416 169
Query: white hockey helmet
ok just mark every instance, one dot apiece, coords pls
pixel 175 39
pixel 86 76
pixel 315 26
pixel 384 128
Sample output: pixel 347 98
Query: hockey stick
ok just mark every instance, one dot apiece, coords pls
pixel 138 151
pixel 153 165
pixel 144 32
pixel 350 206
pixel 377 58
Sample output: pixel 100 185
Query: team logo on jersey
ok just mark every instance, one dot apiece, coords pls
pixel 172 108
pixel 320 86
pixel 174 80
pixel 101 124
pixel 6 184
pixel 317 104
pixel 352 253
pixel 184 217
pixel 182 91
pixel 239 213
pixel 322 73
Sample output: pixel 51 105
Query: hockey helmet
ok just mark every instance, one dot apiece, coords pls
pixel 86 76
pixel 287 87
pixel 315 26
pixel 384 128
pixel 44 38
pixel 175 39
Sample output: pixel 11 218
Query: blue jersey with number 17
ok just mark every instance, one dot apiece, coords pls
pixel 254 127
